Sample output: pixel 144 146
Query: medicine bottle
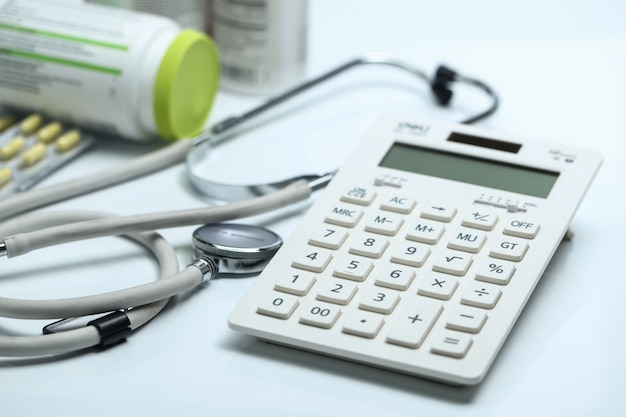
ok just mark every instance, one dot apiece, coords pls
pixel 190 14
pixel 262 43
pixel 134 75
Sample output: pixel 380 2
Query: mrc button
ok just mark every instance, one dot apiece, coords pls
pixel 522 227
pixel 344 215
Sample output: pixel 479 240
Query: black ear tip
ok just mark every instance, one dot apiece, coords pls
pixel 442 93
pixel 440 85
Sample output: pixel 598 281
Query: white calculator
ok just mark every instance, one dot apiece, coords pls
pixel 422 251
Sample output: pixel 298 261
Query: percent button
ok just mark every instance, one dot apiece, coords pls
pixel 497 272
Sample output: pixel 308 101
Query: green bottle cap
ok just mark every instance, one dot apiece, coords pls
pixel 185 86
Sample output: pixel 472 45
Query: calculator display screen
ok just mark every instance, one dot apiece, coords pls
pixel 469 169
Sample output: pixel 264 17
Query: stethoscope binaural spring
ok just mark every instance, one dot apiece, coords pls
pixel 440 85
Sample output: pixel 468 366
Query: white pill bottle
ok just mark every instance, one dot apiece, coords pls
pixel 134 75
pixel 262 43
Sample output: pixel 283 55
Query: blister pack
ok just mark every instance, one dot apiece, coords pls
pixel 32 147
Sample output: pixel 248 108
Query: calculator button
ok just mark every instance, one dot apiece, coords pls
pixel 350 267
pixel 426 232
pixel 441 212
pixel 399 203
pixel 336 291
pixel 480 219
pixel 467 319
pixel 320 314
pixel 330 237
pixel 496 271
pixel 295 282
pixel 384 223
pixel 363 323
pixel 379 300
pixel 370 245
pixel 480 294
pixel 414 322
pixel 344 215
pixel 467 240
pixel 521 227
pixel 438 286
pixel 278 305
pixel 452 344
pixel 312 259
pixel 508 248
pixel 359 195
pixel 411 254
pixel 397 277
pixel 452 262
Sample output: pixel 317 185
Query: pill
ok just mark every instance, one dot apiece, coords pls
pixel 49 132
pixel 5 176
pixel 12 148
pixel 6 122
pixel 67 141
pixel 34 155
pixel 30 124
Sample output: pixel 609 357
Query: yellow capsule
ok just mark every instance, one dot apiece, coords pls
pixel 30 124
pixel 12 148
pixel 67 141
pixel 5 176
pixel 6 122
pixel 49 132
pixel 34 155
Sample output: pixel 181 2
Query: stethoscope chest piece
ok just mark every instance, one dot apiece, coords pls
pixel 236 249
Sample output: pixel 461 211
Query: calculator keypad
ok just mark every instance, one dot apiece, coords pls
pixel 372 250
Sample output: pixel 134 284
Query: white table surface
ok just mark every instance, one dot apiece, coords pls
pixel 560 70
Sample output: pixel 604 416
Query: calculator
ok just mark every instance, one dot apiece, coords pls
pixel 422 251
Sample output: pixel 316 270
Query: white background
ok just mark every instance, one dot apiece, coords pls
pixel 559 68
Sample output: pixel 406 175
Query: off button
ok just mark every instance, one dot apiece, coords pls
pixel 521 227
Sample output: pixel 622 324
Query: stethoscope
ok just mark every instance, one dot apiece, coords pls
pixel 219 247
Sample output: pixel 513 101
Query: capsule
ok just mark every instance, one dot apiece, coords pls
pixel 30 124
pixel 67 141
pixel 34 155
pixel 5 176
pixel 12 148
pixel 6 122
pixel 49 132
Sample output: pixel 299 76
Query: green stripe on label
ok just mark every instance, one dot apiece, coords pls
pixel 62 61
pixel 64 37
